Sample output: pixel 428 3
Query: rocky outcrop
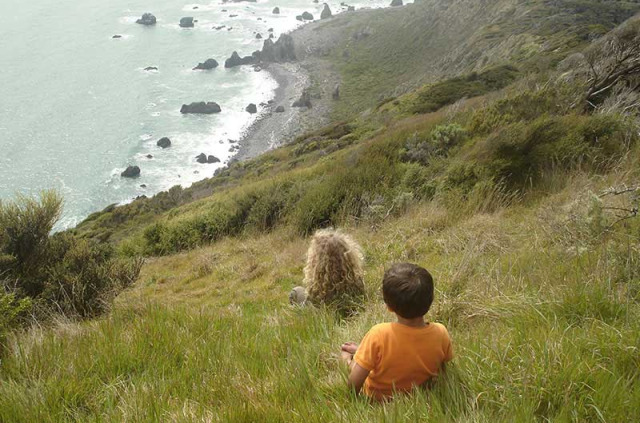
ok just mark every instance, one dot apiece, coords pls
pixel 282 50
pixel 207 65
pixel 164 142
pixel 203 158
pixel 251 108
pixel 147 19
pixel 304 100
pixel 117 36
pixel 186 22
pixel 131 172
pixel 307 16
pixel 236 60
pixel 201 108
pixel 258 36
pixel 299 17
pixel 280 109
pixel 395 3
pixel 151 68
pixel 326 12
pixel 276 11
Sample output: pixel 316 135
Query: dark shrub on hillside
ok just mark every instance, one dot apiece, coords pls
pixel 448 92
pixel 60 273
pixel 438 144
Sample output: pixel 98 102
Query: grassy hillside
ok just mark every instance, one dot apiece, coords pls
pixel 382 54
pixel 522 201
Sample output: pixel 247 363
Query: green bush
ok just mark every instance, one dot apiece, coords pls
pixel 448 92
pixel 12 311
pixel 440 141
pixel 60 273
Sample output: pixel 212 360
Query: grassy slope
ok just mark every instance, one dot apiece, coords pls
pixel 544 326
pixel 543 306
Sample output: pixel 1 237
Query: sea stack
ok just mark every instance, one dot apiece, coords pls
pixel 251 108
pixel 276 11
pixel 186 22
pixel 131 172
pixel 395 3
pixel 164 142
pixel 147 19
pixel 326 12
pixel 201 107
pixel 207 65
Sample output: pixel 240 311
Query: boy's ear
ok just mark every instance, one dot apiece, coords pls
pixel 390 309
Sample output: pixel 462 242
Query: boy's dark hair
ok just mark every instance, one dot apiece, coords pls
pixel 408 290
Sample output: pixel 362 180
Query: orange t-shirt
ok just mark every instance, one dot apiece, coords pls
pixel 400 357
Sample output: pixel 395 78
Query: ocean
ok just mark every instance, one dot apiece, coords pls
pixel 77 106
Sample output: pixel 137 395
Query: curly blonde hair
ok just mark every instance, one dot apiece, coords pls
pixel 333 274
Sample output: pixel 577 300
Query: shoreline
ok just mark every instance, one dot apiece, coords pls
pixel 272 129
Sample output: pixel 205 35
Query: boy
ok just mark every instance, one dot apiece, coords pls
pixel 395 357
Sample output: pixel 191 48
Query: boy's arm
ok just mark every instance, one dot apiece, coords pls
pixel 357 376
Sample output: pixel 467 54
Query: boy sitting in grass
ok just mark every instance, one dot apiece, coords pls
pixel 395 357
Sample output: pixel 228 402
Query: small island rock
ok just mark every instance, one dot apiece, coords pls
pixel 307 16
pixel 276 11
pixel 147 19
pixel 207 65
pixel 186 22
pixel 164 142
pixel 131 172
pixel 251 108
pixel 201 107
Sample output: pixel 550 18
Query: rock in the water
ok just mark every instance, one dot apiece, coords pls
pixel 117 36
pixel 396 3
pixel 326 12
pixel 207 65
pixel 143 185
pixel 299 17
pixel 307 16
pixel 131 172
pixel 201 107
pixel 236 60
pixel 212 159
pixel 151 68
pixel 280 109
pixel 304 100
pixel 164 142
pixel 251 108
pixel 201 158
pixel 282 50
pixel 186 22
pixel 149 156
pixel 336 92
pixel 147 19
pixel 351 8
pixel 258 36
pixel 276 11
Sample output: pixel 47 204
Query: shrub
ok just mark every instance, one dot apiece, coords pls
pixel 438 144
pixel 12 311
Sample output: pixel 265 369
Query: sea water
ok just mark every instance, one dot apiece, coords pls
pixel 77 106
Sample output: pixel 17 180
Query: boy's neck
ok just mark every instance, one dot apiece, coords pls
pixel 416 322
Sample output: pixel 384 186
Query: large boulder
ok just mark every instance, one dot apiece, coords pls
pixel 304 100
pixel 201 107
pixel 164 142
pixel 326 12
pixel 280 109
pixel 236 60
pixel 251 108
pixel 207 65
pixel 282 50
pixel 307 16
pixel 203 158
pixel 147 19
pixel 131 172
pixel 276 11
pixel 395 3
pixel 186 22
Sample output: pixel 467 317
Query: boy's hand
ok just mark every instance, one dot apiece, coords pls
pixel 349 347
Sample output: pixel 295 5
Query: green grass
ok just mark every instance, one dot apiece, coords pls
pixel 544 327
